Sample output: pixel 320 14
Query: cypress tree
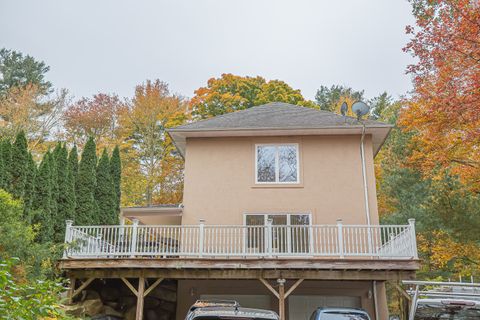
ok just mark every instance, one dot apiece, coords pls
pixel 73 163
pixel 116 171
pixel 31 174
pixel 66 193
pixel 42 200
pixel 86 185
pixel 105 192
pixel 7 164
pixel 18 168
pixel 54 183
pixel 2 166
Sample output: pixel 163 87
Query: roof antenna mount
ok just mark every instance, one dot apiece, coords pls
pixel 344 110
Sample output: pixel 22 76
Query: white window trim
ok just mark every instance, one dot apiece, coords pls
pixel 277 167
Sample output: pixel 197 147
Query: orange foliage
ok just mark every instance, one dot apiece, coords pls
pixel 443 252
pixel 444 110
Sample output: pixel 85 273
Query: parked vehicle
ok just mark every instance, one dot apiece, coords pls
pixel 433 300
pixel 328 313
pixel 214 303
pixel 226 309
pixel 448 309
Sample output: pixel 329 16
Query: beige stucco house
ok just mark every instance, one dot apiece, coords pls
pixel 279 212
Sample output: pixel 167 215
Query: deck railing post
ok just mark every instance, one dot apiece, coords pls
pixel 413 243
pixel 133 240
pixel 269 237
pixel 341 250
pixel 68 236
pixel 201 234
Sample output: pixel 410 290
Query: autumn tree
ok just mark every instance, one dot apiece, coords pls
pixel 150 164
pixel 231 93
pixel 444 109
pixel 18 71
pixel 93 117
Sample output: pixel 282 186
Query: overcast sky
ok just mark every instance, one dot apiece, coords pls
pixel 110 46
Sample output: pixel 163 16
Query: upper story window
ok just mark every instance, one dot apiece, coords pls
pixel 276 163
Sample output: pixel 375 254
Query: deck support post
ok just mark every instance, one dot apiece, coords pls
pixel 281 294
pixel 71 289
pixel 140 292
pixel 281 298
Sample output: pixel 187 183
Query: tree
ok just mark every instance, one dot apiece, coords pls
pixel 31 175
pixel 148 147
pixel 6 154
pixel 18 168
pixel 330 99
pixel 105 194
pixel 17 70
pixel 116 173
pixel 73 163
pixel 42 200
pixel 232 93
pixel 26 109
pixel 66 195
pixel 94 117
pixel 86 184
pixel 444 108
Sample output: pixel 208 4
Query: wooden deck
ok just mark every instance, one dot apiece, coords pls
pixel 288 268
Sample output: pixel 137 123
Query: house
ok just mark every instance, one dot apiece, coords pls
pixel 279 212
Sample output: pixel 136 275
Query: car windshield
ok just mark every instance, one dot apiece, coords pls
pixel 446 313
pixel 343 316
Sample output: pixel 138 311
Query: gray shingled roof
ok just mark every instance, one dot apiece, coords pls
pixel 276 115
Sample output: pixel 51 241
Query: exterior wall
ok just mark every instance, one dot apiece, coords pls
pixel 220 180
pixel 191 290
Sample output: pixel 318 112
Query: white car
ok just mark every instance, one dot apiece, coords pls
pixel 447 309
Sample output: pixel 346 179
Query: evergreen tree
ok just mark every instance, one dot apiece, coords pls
pixel 105 193
pixel 66 193
pixel 73 163
pixel 18 168
pixel 54 184
pixel 6 152
pixel 31 174
pixel 116 170
pixel 2 166
pixel 42 200
pixel 86 185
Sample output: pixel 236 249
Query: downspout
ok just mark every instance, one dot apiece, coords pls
pixel 364 174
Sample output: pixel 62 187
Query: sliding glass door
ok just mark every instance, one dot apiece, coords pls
pixel 290 232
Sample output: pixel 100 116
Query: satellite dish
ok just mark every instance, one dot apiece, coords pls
pixel 344 109
pixel 360 108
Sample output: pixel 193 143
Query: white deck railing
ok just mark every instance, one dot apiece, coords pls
pixel 170 241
